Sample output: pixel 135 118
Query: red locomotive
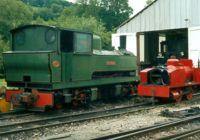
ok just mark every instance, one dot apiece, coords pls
pixel 175 80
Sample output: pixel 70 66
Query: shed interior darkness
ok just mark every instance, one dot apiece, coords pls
pixel 166 43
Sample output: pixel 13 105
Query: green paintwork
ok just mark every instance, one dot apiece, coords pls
pixel 33 39
pixel 103 81
pixel 35 65
pixel 56 71
pixel 37 47
pixel 82 66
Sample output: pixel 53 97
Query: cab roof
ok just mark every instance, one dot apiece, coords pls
pixel 46 26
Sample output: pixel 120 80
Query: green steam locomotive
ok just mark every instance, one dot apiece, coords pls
pixel 52 66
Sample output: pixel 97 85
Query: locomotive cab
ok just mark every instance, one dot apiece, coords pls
pixel 75 42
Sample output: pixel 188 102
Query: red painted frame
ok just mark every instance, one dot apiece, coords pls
pixel 44 98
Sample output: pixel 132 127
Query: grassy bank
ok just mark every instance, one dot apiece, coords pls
pixel 2 82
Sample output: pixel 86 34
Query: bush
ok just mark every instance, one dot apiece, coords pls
pixel 4 46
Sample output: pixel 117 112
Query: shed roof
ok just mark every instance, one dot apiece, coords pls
pixel 164 15
pixel 137 14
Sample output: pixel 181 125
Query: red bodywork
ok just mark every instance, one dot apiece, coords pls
pixel 35 100
pixel 182 78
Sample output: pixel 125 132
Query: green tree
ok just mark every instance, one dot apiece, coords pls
pixel 4 46
pixel 38 3
pixel 44 13
pixel 47 3
pixel 69 11
pixel 13 13
pixel 112 12
pixel 87 8
pixel 149 2
pixel 56 8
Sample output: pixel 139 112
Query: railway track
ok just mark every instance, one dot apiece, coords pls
pixel 67 119
pixel 11 112
pixel 149 132
pixel 182 135
pixel 45 122
pixel 16 116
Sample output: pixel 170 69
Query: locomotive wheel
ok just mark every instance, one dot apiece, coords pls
pixel 177 95
pixel 58 106
pixel 75 103
pixel 189 96
pixel 178 99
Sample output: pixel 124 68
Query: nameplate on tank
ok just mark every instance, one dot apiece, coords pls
pixel 110 63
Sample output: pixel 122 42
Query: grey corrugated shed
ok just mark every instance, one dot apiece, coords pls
pixel 164 15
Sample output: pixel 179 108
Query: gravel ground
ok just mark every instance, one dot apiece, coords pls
pixel 101 127
pixel 92 129
pixel 73 111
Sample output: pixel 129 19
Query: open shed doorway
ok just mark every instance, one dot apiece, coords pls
pixel 168 43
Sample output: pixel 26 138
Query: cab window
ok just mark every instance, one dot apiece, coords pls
pixel 83 43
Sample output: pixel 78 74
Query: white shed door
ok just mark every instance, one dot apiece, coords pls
pixel 194 44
